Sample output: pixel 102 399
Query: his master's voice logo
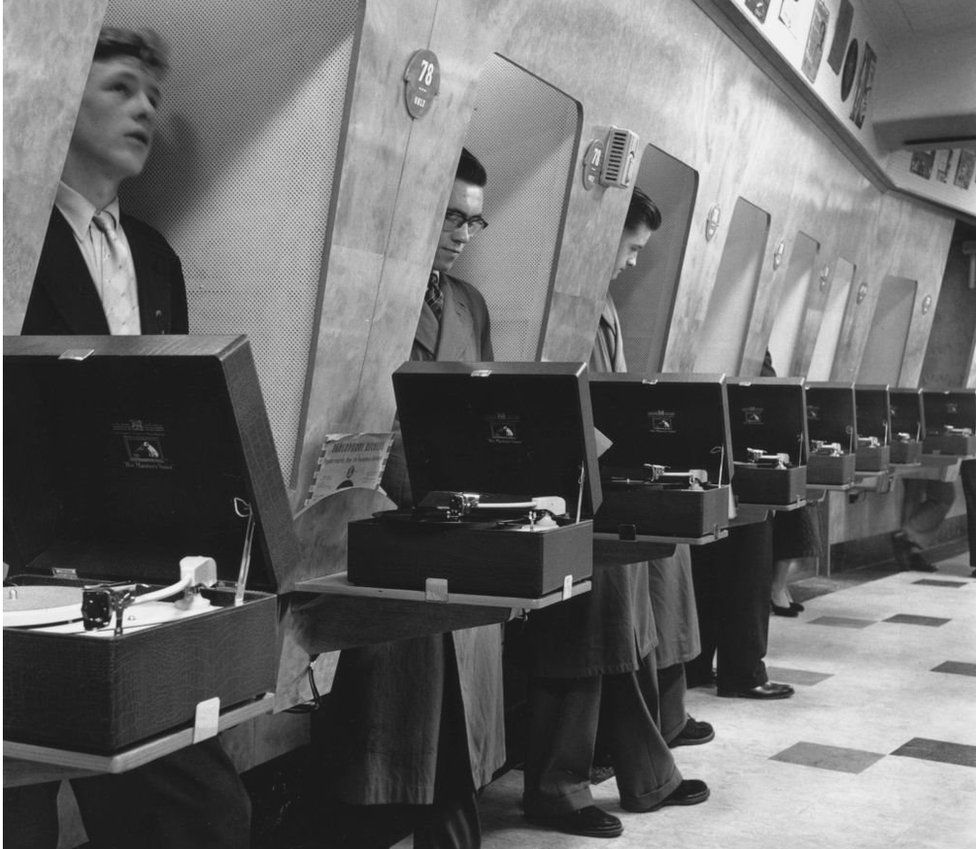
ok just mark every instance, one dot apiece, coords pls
pixel 661 421
pixel 503 429
pixel 752 415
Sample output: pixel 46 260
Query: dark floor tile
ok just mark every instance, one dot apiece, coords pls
pixel 841 622
pixel 803 677
pixel 828 757
pixel 911 619
pixel 934 582
pixel 956 667
pixel 938 750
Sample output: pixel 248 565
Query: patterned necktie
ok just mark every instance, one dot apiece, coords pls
pixel 434 295
pixel 118 296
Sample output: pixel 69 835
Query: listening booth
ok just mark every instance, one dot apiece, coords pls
pixel 831 426
pixel 768 421
pixel 950 421
pixel 873 450
pixel 502 469
pixel 147 530
pixel 907 425
pixel 665 456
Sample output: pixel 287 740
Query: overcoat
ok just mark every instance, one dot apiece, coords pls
pixel 610 629
pixel 388 699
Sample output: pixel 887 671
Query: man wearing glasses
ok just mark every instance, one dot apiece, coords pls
pixel 418 725
pixel 454 319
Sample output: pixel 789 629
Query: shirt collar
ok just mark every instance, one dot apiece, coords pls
pixel 78 210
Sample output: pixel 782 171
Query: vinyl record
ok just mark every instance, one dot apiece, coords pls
pixel 26 606
pixel 430 521
pixel 850 68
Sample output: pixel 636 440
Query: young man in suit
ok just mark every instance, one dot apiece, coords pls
pixel 592 663
pixel 417 726
pixel 103 272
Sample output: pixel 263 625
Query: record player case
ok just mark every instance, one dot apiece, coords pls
pixel 494 428
pixel 952 408
pixel 831 417
pixel 85 501
pixel 873 419
pixel 680 421
pixel 768 413
pixel 906 416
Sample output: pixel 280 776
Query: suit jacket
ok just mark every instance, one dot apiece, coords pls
pixel 64 300
pixel 389 699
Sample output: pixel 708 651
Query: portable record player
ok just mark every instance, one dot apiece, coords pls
pixel 124 455
pixel 502 465
pixel 767 417
pixel 667 470
pixel 873 449
pixel 950 421
pixel 907 425
pixel 831 425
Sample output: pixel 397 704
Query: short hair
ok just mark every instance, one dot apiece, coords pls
pixel 470 170
pixel 642 210
pixel 146 45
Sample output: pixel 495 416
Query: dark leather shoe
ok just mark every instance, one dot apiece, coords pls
pixel 784 611
pixel 908 554
pixel 769 690
pixel 691 791
pixel 693 734
pixel 586 822
pixel 795 605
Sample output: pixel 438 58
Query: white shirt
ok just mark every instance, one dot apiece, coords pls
pixel 78 211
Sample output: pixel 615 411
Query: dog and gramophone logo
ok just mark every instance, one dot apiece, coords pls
pixel 143 443
pixel 662 421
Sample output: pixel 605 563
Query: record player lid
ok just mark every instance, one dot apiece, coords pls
pixel 831 415
pixel 873 407
pixel 520 428
pixel 905 406
pixel 677 420
pixel 955 407
pixel 125 453
pixel 768 413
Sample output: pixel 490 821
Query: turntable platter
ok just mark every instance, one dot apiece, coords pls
pixel 24 606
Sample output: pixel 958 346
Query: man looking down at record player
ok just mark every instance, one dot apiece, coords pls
pixel 103 272
pixel 592 663
pixel 417 726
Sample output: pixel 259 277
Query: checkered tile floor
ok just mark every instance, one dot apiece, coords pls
pixel 875 751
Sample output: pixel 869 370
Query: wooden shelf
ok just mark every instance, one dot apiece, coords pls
pixel 24 763
pixel 338 584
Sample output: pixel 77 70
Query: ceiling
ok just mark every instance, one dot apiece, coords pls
pixel 899 21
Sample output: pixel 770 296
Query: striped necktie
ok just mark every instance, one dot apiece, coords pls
pixel 118 293
pixel 434 295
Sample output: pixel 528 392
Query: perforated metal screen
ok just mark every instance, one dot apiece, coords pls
pixel 524 131
pixel 242 173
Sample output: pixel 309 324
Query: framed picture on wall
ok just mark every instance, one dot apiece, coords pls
pixel 759 8
pixel 921 164
pixel 943 164
pixel 816 38
pixel 845 17
pixel 865 79
pixel 965 168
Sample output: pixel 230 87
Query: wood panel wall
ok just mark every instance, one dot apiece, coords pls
pixel 47 49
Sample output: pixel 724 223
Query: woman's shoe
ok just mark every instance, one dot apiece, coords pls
pixel 784 611
pixel 795 605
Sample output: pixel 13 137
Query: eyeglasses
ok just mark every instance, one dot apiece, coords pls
pixel 454 219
